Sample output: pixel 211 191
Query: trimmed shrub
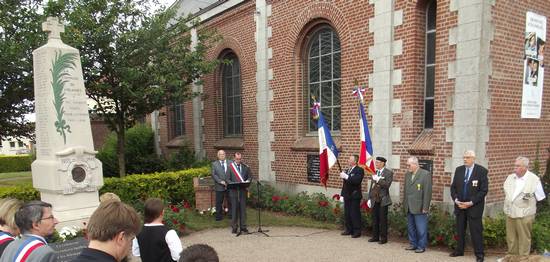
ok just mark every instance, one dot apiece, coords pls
pixel 140 154
pixel 541 232
pixel 23 193
pixel 15 163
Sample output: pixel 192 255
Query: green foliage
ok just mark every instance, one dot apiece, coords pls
pixel 441 227
pixel 182 159
pixel 173 187
pixel 15 163
pixel 140 153
pixel 24 193
pixel 20 33
pixel 494 231
pixel 134 61
pixel 541 232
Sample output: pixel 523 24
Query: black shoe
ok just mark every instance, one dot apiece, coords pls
pixel 356 236
pixel 345 233
pixel 383 241
pixel 374 240
pixel 410 248
pixel 456 254
pixel 234 231
pixel 479 259
pixel 245 231
pixel 419 250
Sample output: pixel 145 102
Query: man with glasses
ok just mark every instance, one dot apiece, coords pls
pixel 36 222
pixel 111 229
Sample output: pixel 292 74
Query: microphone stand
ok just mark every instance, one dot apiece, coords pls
pixel 264 232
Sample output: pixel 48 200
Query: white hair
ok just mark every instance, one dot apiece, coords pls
pixel 470 153
pixel 524 161
pixel 412 160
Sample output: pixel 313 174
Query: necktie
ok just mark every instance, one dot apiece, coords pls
pixel 465 186
pixel 378 172
pixel 223 166
pixel 239 168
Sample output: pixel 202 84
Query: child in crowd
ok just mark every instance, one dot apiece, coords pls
pixel 155 242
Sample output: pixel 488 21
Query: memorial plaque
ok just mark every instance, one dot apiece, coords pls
pixel 426 164
pixel 70 249
pixel 313 168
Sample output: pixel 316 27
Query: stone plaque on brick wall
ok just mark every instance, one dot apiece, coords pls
pixel 313 168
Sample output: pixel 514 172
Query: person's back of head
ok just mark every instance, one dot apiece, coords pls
pixel 199 253
pixel 112 227
pixel 8 208
pixel 152 210
pixel 108 196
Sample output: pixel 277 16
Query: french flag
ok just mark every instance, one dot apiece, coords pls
pixel 365 156
pixel 327 149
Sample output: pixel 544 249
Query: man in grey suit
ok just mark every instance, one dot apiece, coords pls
pixel 220 170
pixel 36 222
pixel 379 199
pixel 417 196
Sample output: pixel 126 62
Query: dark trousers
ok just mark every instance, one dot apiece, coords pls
pixel 352 215
pixel 220 196
pixel 238 208
pixel 476 232
pixel 380 221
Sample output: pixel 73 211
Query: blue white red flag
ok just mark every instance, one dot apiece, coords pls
pixel 328 153
pixel 366 154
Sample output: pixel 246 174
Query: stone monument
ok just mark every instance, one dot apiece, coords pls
pixel 65 171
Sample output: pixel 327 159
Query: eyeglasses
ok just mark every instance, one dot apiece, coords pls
pixel 50 217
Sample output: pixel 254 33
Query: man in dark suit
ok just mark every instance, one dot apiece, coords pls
pixel 468 190
pixel 351 191
pixel 417 196
pixel 220 169
pixel 239 173
pixel 379 199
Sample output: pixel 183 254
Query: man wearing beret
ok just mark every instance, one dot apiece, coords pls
pixel 379 199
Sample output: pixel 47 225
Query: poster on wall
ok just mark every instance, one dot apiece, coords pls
pixel 533 65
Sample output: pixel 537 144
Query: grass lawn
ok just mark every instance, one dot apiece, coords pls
pixel 15 178
pixel 197 222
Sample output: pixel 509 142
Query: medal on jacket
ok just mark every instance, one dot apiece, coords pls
pixel 418 186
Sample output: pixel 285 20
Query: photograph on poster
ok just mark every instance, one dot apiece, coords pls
pixel 531 72
pixel 531 44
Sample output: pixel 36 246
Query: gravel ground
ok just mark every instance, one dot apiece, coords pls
pixel 310 244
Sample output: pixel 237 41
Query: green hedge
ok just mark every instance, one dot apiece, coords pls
pixel 24 193
pixel 173 187
pixel 15 163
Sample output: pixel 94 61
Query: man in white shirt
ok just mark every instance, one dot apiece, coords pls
pixel 522 191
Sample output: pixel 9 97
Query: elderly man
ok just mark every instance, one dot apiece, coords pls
pixel 468 190
pixel 111 229
pixel 351 191
pixel 220 173
pixel 416 201
pixel 36 222
pixel 522 190
pixel 379 199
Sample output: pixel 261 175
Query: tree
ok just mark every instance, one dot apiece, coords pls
pixel 134 62
pixel 20 34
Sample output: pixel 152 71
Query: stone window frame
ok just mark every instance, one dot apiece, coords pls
pixel 178 119
pixel 429 64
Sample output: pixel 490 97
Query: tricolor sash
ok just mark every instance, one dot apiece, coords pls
pixel 5 237
pixel 237 173
pixel 30 244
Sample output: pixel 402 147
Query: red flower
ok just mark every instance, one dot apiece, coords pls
pixel 323 203
pixel 365 206
pixel 175 209
pixel 275 198
pixel 455 237
pixel 186 205
pixel 174 221
pixel 336 197
pixel 439 238
pixel 336 210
